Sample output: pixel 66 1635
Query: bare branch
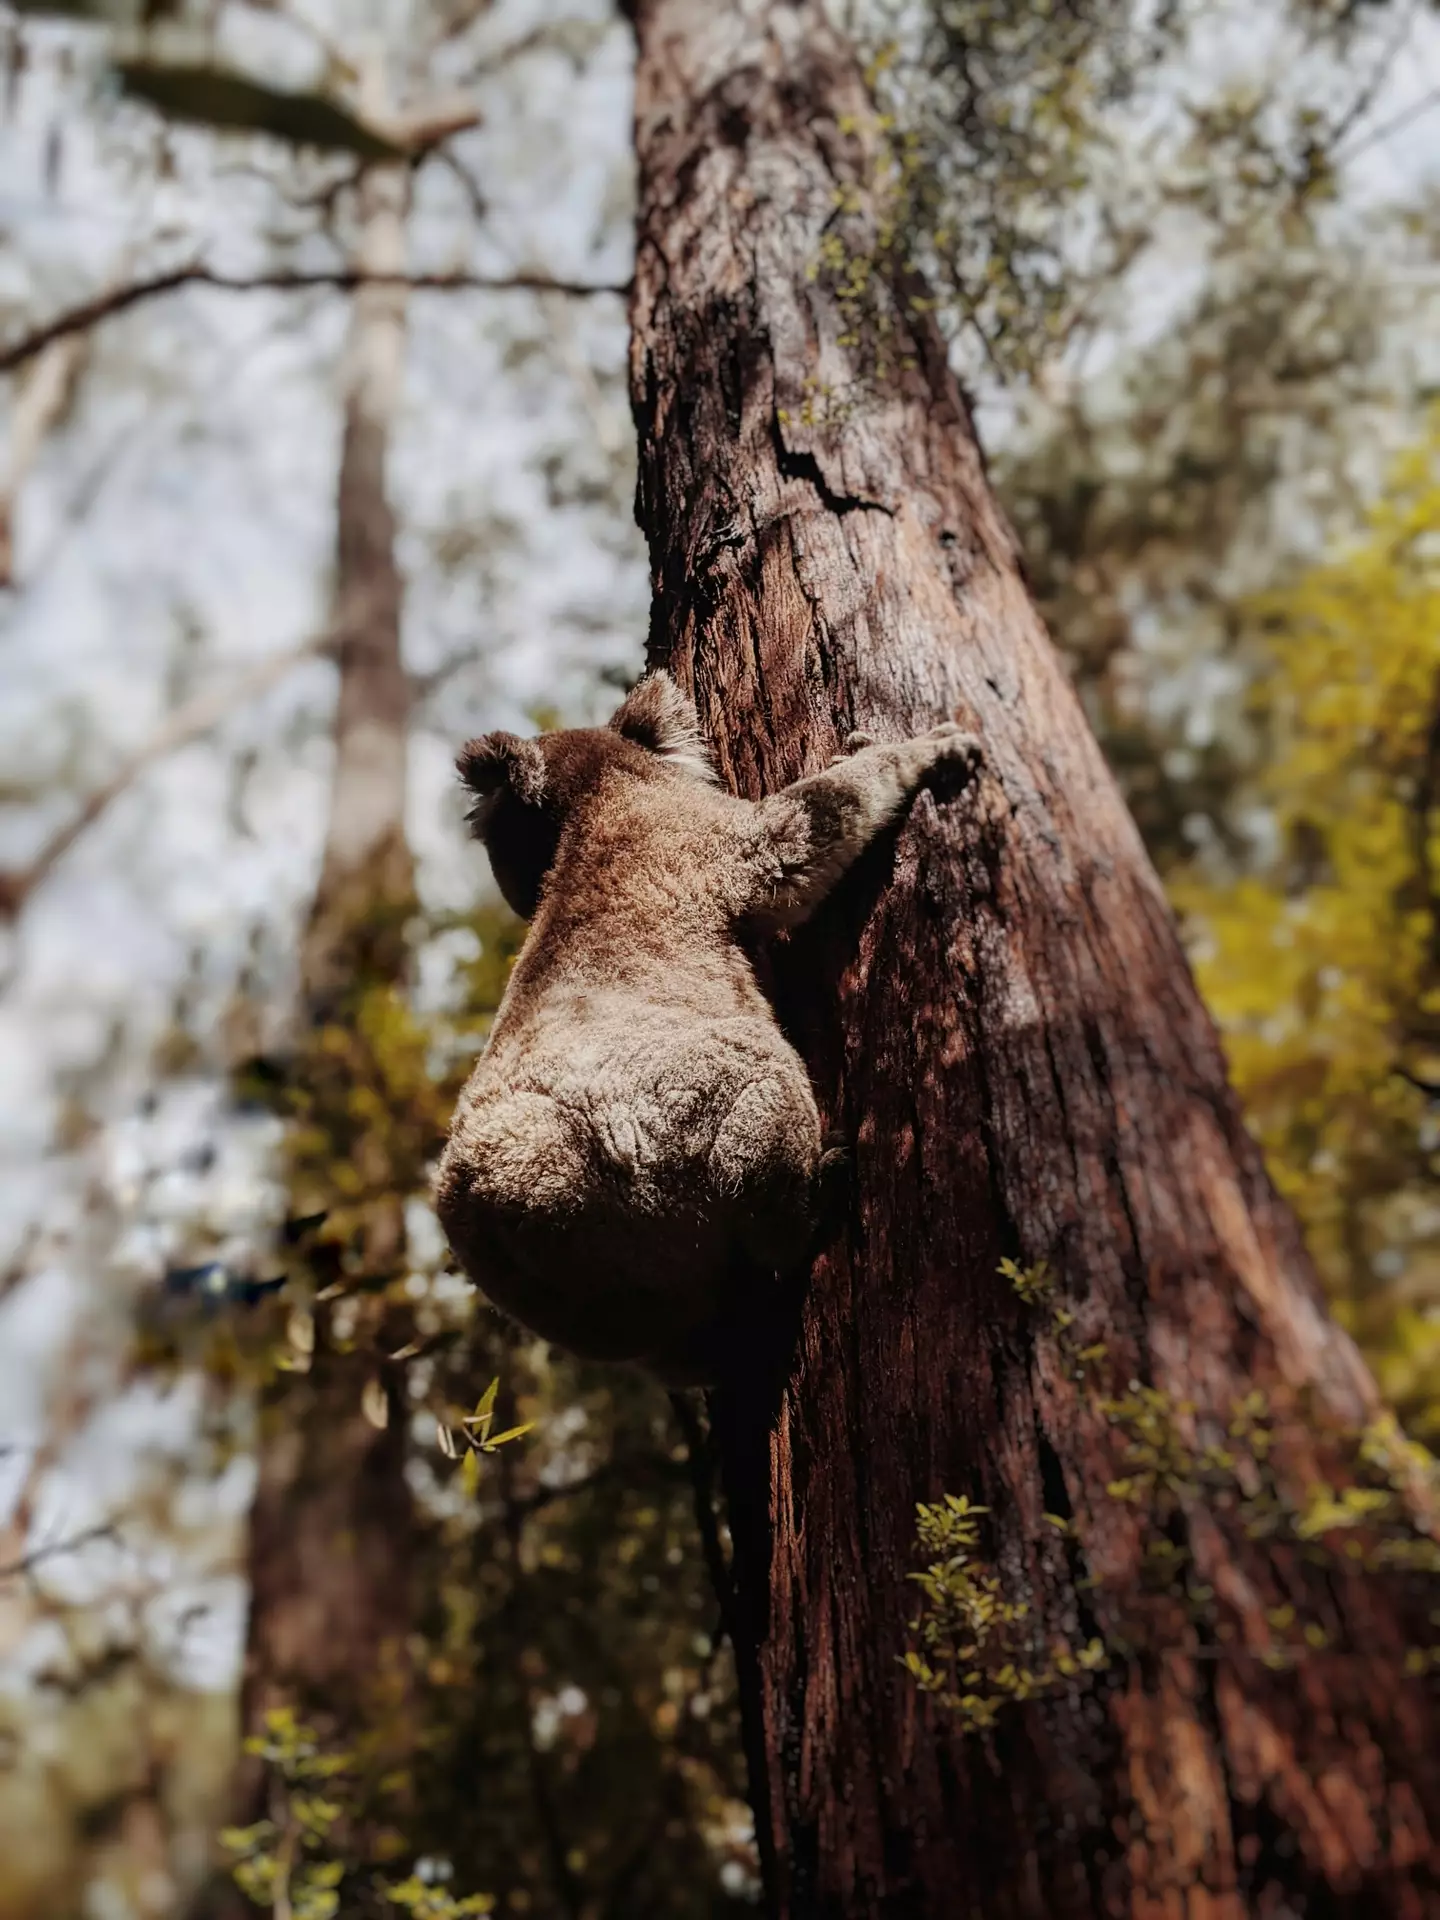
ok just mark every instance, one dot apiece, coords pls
pixel 105 306
pixel 1425 104
pixel 427 125
pixel 188 723
pixel 15 1569
pixel 468 183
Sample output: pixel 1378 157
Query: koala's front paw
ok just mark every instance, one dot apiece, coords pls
pixel 952 746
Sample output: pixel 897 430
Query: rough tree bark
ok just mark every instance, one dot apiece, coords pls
pixel 999 1017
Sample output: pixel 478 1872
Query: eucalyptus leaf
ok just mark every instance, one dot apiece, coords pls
pixel 101 13
pixel 204 95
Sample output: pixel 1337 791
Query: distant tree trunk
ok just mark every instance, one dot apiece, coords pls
pixel 367 882
pixel 998 1016
pixel 332 1527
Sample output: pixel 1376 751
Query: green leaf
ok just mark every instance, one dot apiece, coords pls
pixel 209 96
pixel 470 1474
pixel 511 1433
pixel 248 1839
pixel 106 13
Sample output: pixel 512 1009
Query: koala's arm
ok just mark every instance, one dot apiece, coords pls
pixel 817 828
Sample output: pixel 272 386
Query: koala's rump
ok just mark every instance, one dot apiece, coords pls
pixel 602 1175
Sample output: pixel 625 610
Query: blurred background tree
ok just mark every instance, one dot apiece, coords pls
pixel 1320 958
pixel 1187 260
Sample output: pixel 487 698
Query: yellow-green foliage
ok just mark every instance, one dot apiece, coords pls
pixel 978 1647
pixel 282 1863
pixel 977 1651
pixel 289 1863
pixel 429 1901
pixel 1322 969
pixel 370 1094
pixel 366 1109
pixel 473 1436
pixel 566 1682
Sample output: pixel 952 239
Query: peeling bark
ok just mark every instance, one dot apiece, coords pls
pixel 999 1018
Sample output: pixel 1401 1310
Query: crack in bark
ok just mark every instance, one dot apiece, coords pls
pixel 799 463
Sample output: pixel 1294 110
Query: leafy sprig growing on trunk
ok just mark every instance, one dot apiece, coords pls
pixel 1372 1514
pixel 977 1650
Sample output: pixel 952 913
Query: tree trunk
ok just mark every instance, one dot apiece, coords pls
pixel 999 1018
pixel 332 1527
pixel 367 882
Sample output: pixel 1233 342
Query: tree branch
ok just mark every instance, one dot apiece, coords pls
pixel 188 723
pixel 115 300
pixel 27 1563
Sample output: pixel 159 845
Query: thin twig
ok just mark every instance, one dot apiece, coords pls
pixel 285 1857
pixel 469 185
pixel 17 1569
pixel 1374 135
pixel 105 306
pixel 1369 88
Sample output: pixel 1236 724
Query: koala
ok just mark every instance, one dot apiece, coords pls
pixel 638 1128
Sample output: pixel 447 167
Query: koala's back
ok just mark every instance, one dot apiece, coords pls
pixel 637 1119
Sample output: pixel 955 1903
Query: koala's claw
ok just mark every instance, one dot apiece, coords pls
pixel 956 745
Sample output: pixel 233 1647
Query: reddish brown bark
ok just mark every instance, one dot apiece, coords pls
pixel 999 1017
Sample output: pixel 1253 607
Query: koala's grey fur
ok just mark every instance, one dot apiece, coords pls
pixel 637 1119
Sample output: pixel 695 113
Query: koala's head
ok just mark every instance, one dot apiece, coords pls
pixel 525 788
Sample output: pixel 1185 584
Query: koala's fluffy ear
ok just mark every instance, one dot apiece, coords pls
pixel 657 715
pixel 500 763
pixel 513 814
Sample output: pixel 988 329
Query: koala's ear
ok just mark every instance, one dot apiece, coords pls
pixel 499 763
pixel 656 715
